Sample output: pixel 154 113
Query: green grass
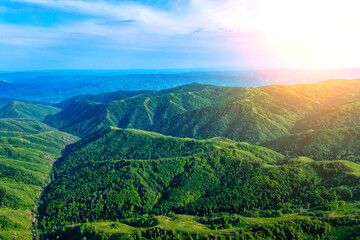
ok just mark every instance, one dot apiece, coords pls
pixel 272 220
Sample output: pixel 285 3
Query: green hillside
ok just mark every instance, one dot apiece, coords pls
pixel 244 114
pixel 139 112
pixel 116 174
pixel 17 109
pixel 25 166
pixel 342 143
pixel 131 179
pixel 13 127
pixel 339 116
pixel 256 119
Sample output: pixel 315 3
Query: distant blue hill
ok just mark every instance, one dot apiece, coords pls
pixel 58 85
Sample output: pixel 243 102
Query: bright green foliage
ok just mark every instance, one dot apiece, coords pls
pixel 217 226
pixel 17 109
pixel 13 127
pixel 25 165
pixel 15 224
pixel 166 173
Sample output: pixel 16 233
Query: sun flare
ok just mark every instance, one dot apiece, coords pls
pixel 308 34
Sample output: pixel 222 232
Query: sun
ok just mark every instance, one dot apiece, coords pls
pixel 302 34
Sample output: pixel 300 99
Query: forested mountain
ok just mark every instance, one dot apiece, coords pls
pixel 107 176
pixel 25 166
pixel 254 115
pixel 215 111
pixel 17 109
pixel 256 119
pixel 138 112
pixel 12 127
pixel 124 179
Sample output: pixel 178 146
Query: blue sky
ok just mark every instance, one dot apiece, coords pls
pixel 143 34
pixel 101 35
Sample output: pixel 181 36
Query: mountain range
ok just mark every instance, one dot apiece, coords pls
pixel 255 115
pixel 195 161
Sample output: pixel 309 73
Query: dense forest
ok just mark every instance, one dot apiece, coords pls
pixel 93 184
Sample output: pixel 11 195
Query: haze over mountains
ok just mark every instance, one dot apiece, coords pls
pixel 192 161
pixel 56 86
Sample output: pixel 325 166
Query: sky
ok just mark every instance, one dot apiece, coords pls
pixel 165 34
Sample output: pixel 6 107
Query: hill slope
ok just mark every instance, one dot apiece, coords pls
pixel 17 109
pixel 13 127
pixel 164 173
pixel 25 165
pixel 339 116
pixel 215 111
pixel 341 143
pixel 256 119
pixel 102 178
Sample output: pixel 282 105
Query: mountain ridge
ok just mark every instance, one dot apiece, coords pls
pixel 16 109
pixel 256 115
